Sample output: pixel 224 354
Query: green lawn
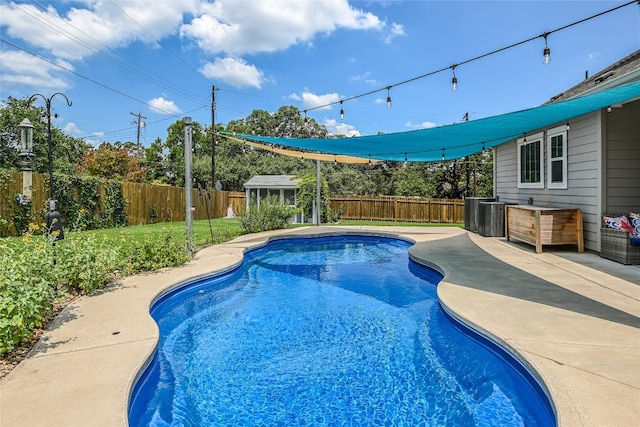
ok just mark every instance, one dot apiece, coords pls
pixel 219 230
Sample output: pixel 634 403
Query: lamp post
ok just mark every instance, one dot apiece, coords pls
pixel 26 159
pixel 50 144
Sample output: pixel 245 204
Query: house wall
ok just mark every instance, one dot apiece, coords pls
pixel 621 175
pixel 583 172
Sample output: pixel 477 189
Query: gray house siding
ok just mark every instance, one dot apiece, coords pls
pixel 622 167
pixel 583 188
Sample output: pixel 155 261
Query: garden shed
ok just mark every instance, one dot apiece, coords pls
pixel 285 187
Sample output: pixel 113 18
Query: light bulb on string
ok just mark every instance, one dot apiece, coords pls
pixel 341 111
pixel 388 96
pixel 454 80
pixel 546 52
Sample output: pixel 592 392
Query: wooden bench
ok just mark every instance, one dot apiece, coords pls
pixel 540 226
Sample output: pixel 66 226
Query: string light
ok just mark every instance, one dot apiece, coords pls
pixel 454 80
pixel 404 165
pixel 568 127
pixel 341 111
pixel 388 96
pixel 443 154
pixel 546 52
pixel 335 160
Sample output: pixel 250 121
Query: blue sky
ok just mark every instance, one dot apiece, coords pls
pixel 161 59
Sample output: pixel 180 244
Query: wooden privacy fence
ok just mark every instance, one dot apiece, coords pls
pixel 166 203
pixel 145 203
pixel 392 208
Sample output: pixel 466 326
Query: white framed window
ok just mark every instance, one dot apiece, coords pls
pixel 557 157
pixel 530 161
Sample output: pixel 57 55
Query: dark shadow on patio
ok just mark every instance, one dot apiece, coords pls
pixel 466 264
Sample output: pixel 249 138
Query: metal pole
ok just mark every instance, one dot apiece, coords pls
pixel 188 184
pixel 50 148
pixel 318 206
pixel 49 141
pixel 213 137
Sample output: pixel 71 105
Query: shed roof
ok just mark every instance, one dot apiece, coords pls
pixel 272 181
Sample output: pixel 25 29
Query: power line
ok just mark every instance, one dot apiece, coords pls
pixel 86 78
pixel 154 39
pixel 124 63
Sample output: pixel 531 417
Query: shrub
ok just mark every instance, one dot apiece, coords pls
pixel 85 262
pixel 27 289
pixel 270 215
pixel 153 254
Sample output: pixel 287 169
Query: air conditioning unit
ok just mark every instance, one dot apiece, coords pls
pixel 471 211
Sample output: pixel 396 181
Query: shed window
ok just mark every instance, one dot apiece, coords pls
pixel 530 163
pixel 557 155
pixel 290 197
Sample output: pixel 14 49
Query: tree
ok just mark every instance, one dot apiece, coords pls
pixel 174 151
pixel 154 163
pixel 110 162
pixel 413 181
pixel 66 149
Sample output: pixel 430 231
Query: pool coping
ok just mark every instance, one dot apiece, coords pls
pixel 83 369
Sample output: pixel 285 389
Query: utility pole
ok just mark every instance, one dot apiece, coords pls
pixel 140 124
pixel 213 137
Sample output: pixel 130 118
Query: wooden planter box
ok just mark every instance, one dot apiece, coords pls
pixel 544 226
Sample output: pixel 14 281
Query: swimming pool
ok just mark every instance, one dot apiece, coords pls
pixel 328 331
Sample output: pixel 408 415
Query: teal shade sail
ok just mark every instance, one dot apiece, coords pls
pixel 461 139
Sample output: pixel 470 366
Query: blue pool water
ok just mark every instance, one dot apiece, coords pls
pixel 327 331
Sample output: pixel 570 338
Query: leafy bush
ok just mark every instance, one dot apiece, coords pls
pixel 31 282
pixel 85 262
pixel 153 254
pixel 26 291
pixel 307 194
pixel 270 215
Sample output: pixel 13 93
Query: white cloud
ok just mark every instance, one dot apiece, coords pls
pixel 423 125
pixel 82 32
pixel 71 128
pixel 339 128
pixel 311 100
pixel 20 68
pixel 232 27
pixel 395 31
pixel 366 77
pixel 234 71
pixel 164 106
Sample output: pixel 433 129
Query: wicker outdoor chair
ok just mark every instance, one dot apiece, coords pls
pixel 616 245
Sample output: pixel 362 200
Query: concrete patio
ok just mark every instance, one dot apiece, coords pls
pixel 574 319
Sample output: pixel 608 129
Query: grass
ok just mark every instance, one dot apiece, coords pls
pixel 205 233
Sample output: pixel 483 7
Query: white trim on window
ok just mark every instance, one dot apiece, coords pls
pixel 557 158
pixel 531 161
